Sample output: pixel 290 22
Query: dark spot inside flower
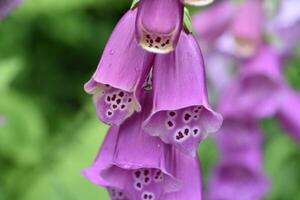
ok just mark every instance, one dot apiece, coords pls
pixel 129 100
pixel 139 185
pixel 195 131
pixel 146 172
pixel 120 194
pixel 147 41
pixel 122 106
pixel 114 97
pixel 200 107
pixel 147 180
pixel 108 98
pixel 179 136
pixel 114 106
pixel 137 174
pixel 186 131
pixel 121 94
pixel 168 41
pixel 109 113
pixel 170 124
pixel 187 116
pixel 163 44
pixel 148 36
pixel 106 85
pixel 196 111
pixel 156 47
pixel 158 39
pixel 145 196
pixel 151 41
pixel 118 101
pixel 172 114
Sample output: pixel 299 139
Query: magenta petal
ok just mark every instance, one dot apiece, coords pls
pixel 6 6
pixel 158 24
pixel 248 26
pixel 238 134
pixel 121 72
pixel 134 162
pixel 181 114
pixel 259 89
pixel 189 174
pixel 207 28
pixel 288 114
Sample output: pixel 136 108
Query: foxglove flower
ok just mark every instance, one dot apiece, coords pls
pixel 158 24
pixel 134 165
pixel 207 28
pixel 6 6
pixel 239 178
pixel 247 27
pixel 197 2
pixel 258 89
pixel 288 114
pixel 121 72
pixel 285 26
pixel 239 174
pixel 181 114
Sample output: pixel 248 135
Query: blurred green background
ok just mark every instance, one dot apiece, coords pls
pixel 49 130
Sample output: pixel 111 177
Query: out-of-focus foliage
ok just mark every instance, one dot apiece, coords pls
pixel 48 129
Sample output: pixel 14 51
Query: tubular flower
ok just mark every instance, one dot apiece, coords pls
pixel 239 174
pixel 121 72
pixel 197 2
pixel 6 6
pixel 247 27
pixel 158 24
pixel 207 28
pixel 181 114
pixel 134 165
pixel 258 89
pixel 288 114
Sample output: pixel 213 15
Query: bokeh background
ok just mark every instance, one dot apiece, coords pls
pixel 49 130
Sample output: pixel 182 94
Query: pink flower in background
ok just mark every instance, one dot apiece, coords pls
pixel 7 5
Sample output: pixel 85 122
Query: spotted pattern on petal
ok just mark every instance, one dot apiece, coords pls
pixel 156 43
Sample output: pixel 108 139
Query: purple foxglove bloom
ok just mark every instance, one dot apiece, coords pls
pixel 259 87
pixel 207 28
pixel 158 24
pixel 197 2
pixel 6 6
pixel 238 134
pixel 181 114
pixel 286 26
pixel 121 72
pixel 288 114
pixel 143 167
pixel 238 179
pixel 247 27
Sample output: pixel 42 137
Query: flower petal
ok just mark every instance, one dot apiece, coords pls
pixel 258 90
pixel 121 72
pixel 288 114
pixel 207 28
pixel 181 114
pixel 134 162
pixel 248 27
pixel 159 24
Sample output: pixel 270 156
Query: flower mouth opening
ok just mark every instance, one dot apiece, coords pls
pixel 185 128
pixel 113 105
pixel 156 43
pixel 245 47
pixel 141 183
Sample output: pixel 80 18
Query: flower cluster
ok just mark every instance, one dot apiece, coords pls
pixel 254 41
pixel 150 88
